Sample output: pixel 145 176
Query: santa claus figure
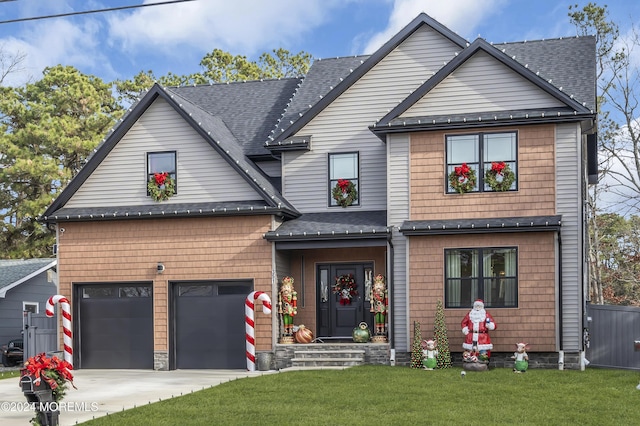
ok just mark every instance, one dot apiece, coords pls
pixel 476 326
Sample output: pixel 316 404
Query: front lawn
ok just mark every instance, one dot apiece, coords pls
pixel 9 374
pixel 382 395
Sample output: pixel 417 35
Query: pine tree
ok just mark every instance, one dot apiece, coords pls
pixel 440 332
pixel 416 350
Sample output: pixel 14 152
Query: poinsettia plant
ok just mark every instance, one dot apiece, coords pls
pixel 346 288
pixel 345 192
pixel 161 186
pixel 463 178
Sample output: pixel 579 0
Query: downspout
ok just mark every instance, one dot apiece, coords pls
pixel 390 283
pixel 560 328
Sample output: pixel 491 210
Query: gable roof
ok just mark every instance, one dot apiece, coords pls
pixel 573 111
pixel 211 128
pixel 287 128
pixel 249 109
pixel 14 272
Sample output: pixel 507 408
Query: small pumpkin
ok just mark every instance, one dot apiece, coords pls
pixel 303 335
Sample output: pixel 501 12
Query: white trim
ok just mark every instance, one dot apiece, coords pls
pixel 3 290
pixel 37 305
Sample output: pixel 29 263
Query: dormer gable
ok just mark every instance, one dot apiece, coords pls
pixel 307 103
pixel 485 86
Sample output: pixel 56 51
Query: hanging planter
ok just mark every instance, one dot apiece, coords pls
pixel 161 186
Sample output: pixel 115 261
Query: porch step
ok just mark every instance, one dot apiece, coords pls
pixel 327 357
pixel 330 353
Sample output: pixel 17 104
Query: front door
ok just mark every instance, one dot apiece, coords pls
pixel 340 312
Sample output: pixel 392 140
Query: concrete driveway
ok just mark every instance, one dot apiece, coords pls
pixel 108 391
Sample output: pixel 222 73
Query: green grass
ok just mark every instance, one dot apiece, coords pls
pixel 9 374
pixel 384 395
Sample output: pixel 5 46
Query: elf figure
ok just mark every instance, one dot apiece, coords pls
pixel 521 358
pixel 287 305
pixel 429 353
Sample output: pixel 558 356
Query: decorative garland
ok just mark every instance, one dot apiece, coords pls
pixel 463 179
pixel 346 287
pixel 500 177
pixel 161 186
pixel 344 192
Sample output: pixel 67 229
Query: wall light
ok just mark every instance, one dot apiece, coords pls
pixel 160 268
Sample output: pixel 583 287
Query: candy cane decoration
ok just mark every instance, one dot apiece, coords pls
pixel 250 325
pixel 66 323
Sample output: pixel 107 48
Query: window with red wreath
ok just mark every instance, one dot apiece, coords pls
pixel 343 179
pixel 482 162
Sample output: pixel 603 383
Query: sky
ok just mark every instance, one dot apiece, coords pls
pixel 175 37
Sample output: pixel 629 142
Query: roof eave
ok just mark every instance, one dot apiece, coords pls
pixel 382 131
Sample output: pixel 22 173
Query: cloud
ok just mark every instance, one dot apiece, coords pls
pixel 241 26
pixel 465 15
pixel 56 42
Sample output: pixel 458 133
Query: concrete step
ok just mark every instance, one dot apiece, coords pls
pixel 318 354
pixel 326 362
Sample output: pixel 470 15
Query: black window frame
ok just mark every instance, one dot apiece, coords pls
pixel 479 166
pixel 173 173
pixel 333 182
pixel 482 279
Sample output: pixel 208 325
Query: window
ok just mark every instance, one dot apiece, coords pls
pixel 478 151
pixel 490 274
pixel 160 162
pixel 343 166
pixel 32 307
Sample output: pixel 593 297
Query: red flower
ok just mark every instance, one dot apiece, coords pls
pixel 343 184
pixel 160 178
pixel 498 167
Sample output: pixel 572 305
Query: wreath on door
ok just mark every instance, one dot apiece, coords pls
pixel 346 288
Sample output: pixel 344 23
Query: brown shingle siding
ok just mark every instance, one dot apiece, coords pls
pixel 536 184
pixel 534 319
pixel 190 249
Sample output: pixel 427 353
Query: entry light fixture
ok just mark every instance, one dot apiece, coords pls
pixel 160 267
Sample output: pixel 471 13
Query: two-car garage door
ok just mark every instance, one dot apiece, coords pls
pixel 206 325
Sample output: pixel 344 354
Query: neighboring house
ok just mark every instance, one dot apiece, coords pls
pixel 163 284
pixel 25 286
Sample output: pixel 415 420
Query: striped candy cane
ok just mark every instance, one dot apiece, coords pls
pixel 250 325
pixel 66 323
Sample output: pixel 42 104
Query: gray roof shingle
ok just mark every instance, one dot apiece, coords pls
pixel 333 225
pixel 249 109
pixel 490 225
pixel 13 270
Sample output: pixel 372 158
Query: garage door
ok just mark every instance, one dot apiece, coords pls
pixel 209 324
pixel 115 326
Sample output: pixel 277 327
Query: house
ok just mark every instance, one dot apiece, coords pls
pixel 251 169
pixel 25 286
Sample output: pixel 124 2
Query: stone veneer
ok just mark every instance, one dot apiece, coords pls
pixel 161 360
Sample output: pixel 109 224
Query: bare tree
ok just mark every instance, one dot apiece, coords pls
pixel 10 63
